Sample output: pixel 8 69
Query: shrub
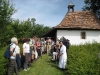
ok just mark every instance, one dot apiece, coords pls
pixel 83 59
pixel 3 62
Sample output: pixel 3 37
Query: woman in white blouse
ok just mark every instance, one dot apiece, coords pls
pixel 62 56
pixel 26 52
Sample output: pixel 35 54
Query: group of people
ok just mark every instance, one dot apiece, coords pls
pixel 33 48
pixel 60 52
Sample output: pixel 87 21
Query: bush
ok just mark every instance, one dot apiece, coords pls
pixel 3 62
pixel 83 59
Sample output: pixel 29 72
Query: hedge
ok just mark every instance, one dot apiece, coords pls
pixel 84 60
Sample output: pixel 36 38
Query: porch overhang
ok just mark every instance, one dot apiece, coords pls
pixel 51 33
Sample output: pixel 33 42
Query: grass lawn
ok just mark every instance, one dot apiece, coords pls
pixel 44 66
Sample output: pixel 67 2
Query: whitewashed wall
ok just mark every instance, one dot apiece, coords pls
pixel 75 36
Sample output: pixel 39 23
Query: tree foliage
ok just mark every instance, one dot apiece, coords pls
pixel 92 5
pixel 28 28
pixel 14 27
pixel 6 11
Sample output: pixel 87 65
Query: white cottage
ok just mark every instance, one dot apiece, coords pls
pixel 77 26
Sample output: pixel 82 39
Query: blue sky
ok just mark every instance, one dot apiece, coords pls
pixel 47 12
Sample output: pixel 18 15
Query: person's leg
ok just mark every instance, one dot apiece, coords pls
pixel 11 67
pixel 19 63
pixel 40 52
pixel 29 60
pixel 22 60
pixel 56 56
pixel 26 61
pixel 60 63
pixel 43 50
pixel 54 53
pixel 47 49
pixel 52 50
pixel 16 68
pixel 35 55
pixel 32 57
pixel 64 63
pixel 31 53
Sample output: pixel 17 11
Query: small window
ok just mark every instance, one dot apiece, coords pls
pixel 83 35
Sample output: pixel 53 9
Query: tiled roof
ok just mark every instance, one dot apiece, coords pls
pixel 80 20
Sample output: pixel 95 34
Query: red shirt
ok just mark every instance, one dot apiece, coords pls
pixel 37 45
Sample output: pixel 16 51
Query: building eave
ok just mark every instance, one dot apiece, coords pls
pixel 76 29
pixel 50 33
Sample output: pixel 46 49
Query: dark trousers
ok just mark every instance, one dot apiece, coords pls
pixel 26 62
pixel 31 53
pixel 39 52
pixel 18 60
pixel 12 67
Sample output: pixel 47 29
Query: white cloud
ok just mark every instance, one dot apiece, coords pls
pixel 41 10
pixel 47 12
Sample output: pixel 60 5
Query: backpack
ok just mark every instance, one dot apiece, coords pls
pixel 7 54
pixel 67 44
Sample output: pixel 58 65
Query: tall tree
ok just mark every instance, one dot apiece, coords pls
pixel 6 11
pixel 92 5
pixel 28 28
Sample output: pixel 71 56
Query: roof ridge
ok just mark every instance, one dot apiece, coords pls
pixel 81 11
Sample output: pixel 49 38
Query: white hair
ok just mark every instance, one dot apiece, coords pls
pixel 13 40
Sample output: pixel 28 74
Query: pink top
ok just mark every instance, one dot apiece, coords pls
pixel 37 45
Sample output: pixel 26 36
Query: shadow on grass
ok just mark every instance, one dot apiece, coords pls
pixel 55 64
pixel 65 72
